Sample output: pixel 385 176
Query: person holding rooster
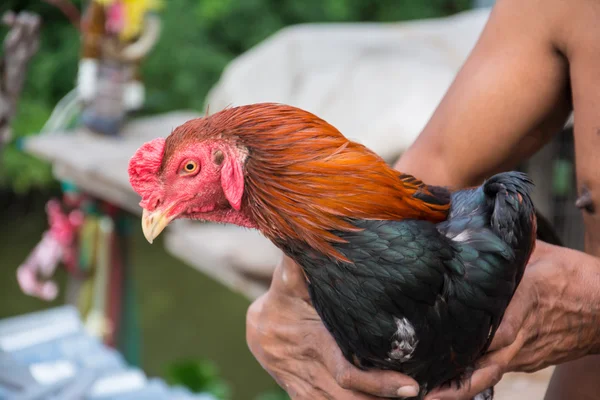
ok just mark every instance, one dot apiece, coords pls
pixel 534 64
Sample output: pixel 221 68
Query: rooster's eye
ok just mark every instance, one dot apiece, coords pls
pixel 190 167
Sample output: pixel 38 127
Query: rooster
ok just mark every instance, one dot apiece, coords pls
pixel 405 276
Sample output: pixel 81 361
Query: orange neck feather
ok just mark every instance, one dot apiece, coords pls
pixel 304 179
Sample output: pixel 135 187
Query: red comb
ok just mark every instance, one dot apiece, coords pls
pixel 144 167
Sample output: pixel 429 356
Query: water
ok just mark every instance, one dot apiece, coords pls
pixel 183 313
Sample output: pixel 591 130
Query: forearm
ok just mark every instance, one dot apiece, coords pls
pixel 581 296
pixel 508 99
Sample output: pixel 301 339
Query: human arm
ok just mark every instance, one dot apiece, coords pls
pixel 553 318
pixel 443 154
pixel 509 98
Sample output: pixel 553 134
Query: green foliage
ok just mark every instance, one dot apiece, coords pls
pixel 277 394
pixel 203 377
pixel 22 171
pixel 199 38
pixel 199 377
pixel 562 177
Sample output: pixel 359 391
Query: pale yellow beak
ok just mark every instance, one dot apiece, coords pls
pixel 153 223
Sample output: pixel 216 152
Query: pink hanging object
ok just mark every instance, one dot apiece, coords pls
pixel 57 244
pixel 115 18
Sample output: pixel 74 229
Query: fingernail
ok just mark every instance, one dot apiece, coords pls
pixel 408 391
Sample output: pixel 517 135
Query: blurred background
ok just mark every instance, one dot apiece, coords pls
pixel 185 315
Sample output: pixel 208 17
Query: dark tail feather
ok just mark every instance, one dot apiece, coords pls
pixel 505 185
pixel 514 215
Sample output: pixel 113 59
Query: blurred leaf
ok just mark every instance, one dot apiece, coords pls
pixel 563 176
pixel 19 170
pixel 198 376
pixel 214 10
pixel 277 394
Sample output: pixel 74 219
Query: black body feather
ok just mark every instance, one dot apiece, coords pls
pixel 451 282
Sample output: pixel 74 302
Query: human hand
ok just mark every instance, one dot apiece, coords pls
pixel 287 337
pixel 554 317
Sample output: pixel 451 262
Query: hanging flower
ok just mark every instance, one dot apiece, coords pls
pixel 126 17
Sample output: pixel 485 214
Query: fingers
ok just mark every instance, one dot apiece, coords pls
pixel 313 382
pixel 481 380
pixel 305 360
pixel 322 387
pixel 288 339
pixel 490 371
pixel 376 383
pixel 332 390
pixel 379 383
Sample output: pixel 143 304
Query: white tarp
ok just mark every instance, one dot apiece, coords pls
pixel 377 83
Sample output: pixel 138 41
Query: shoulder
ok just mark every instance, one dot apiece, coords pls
pixel 564 25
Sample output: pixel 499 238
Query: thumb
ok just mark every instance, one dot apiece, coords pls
pixel 378 383
pixel 481 380
pixel 511 323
